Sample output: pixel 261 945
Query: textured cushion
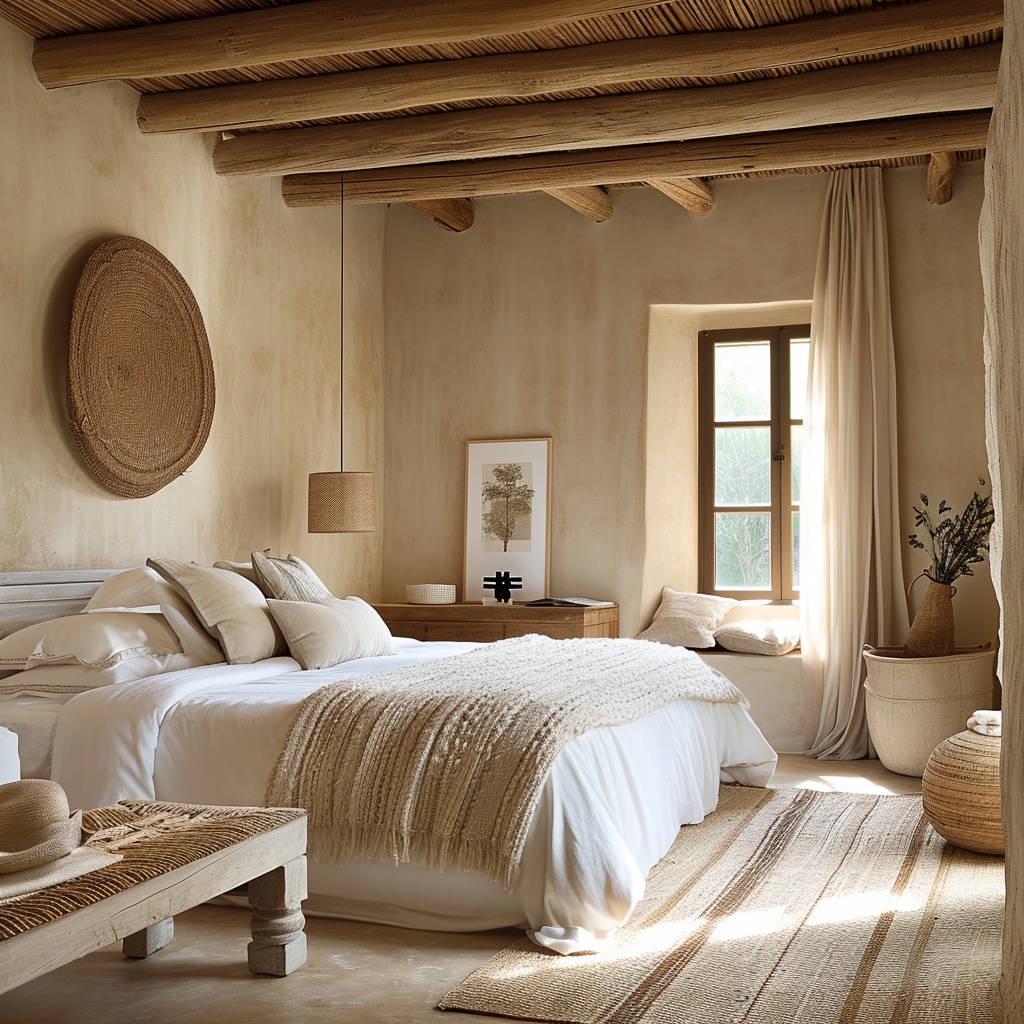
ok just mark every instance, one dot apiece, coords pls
pixel 322 635
pixel 230 608
pixel 687 620
pixel 289 579
pixel 759 636
pixel 97 640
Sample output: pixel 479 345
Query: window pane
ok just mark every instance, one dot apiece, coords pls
pixel 743 461
pixel 743 551
pixel 796 550
pixel 795 457
pixel 743 381
pixel 798 351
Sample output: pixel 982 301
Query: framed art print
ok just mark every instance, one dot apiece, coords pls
pixel 508 506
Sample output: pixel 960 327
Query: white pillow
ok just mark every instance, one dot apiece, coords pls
pixel 230 608
pixel 53 679
pixel 760 636
pixel 687 620
pixel 289 579
pixel 143 590
pixel 322 635
pixel 136 588
pixel 97 640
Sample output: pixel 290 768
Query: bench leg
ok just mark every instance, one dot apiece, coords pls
pixel 278 944
pixel 141 944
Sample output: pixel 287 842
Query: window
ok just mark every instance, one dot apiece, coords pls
pixel 751 388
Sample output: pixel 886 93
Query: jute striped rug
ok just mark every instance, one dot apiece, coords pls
pixel 782 906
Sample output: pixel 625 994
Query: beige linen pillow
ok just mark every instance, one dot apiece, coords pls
pixel 230 608
pixel 760 636
pixel 97 640
pixel 244 569
pixel 687 620
pixel 289 579
pixel 322 635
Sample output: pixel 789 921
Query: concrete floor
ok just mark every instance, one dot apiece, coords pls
pixel 355 972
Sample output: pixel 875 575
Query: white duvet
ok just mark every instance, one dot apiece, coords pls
pixel 608 812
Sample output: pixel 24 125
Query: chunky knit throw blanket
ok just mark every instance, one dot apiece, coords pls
pixel 443 762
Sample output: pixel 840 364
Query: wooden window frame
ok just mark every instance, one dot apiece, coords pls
pixel 781 506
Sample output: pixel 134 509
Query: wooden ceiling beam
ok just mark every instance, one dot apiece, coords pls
pixel 693 194
pixel 535 73
pixel 941 175
pixel 450 214
pixel 769 151
pixel 590 200
pixel 316 28
pixel 921 84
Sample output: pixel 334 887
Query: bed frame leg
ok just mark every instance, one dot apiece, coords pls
pixel 142 943
pixel 278 944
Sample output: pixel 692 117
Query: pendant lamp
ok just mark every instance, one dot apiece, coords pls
pixel 342 502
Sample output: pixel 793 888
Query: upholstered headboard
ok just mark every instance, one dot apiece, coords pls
pixel 28 597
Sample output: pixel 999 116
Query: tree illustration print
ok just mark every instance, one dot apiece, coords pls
pixel 506 501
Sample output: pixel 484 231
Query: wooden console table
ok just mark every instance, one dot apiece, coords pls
pixel 486 622
pixel 135 900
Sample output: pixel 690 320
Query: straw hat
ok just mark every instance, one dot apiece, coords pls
pixel 36 826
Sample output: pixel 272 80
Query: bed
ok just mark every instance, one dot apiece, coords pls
pixel 609 807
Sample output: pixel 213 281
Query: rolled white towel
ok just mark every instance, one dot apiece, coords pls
pixel 986 723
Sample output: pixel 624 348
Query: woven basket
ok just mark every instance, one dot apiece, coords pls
pixel 140 389
pixel 960 790
pixel 913 704
pixel 430 593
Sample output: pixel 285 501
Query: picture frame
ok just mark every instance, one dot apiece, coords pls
pixel 507 528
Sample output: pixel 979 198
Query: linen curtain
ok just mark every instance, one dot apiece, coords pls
pixel 1002 271
pixel 851 575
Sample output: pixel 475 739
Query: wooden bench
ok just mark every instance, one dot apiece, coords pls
pixel 264 847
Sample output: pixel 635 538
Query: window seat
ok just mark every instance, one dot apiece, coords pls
pixel 774 687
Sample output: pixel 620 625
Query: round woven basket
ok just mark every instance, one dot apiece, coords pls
pixel 960 790
pixel 430 593
pixel 140 388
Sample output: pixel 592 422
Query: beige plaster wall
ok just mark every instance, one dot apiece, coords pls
pixel 538 322
pixel 74 171
pixel 938 316
pixel 535 322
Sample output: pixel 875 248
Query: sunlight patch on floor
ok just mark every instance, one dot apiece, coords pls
pixel 855 784
pixel 858 905
pixel 746 923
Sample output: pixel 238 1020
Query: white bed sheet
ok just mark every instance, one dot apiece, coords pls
pixel 33 719
pixel 608 812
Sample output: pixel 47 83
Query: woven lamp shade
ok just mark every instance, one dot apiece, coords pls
pixel 341 503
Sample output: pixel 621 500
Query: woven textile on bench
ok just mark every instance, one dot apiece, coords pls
pixel 154 838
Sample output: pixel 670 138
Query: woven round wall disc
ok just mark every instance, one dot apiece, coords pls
pixel 140 386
